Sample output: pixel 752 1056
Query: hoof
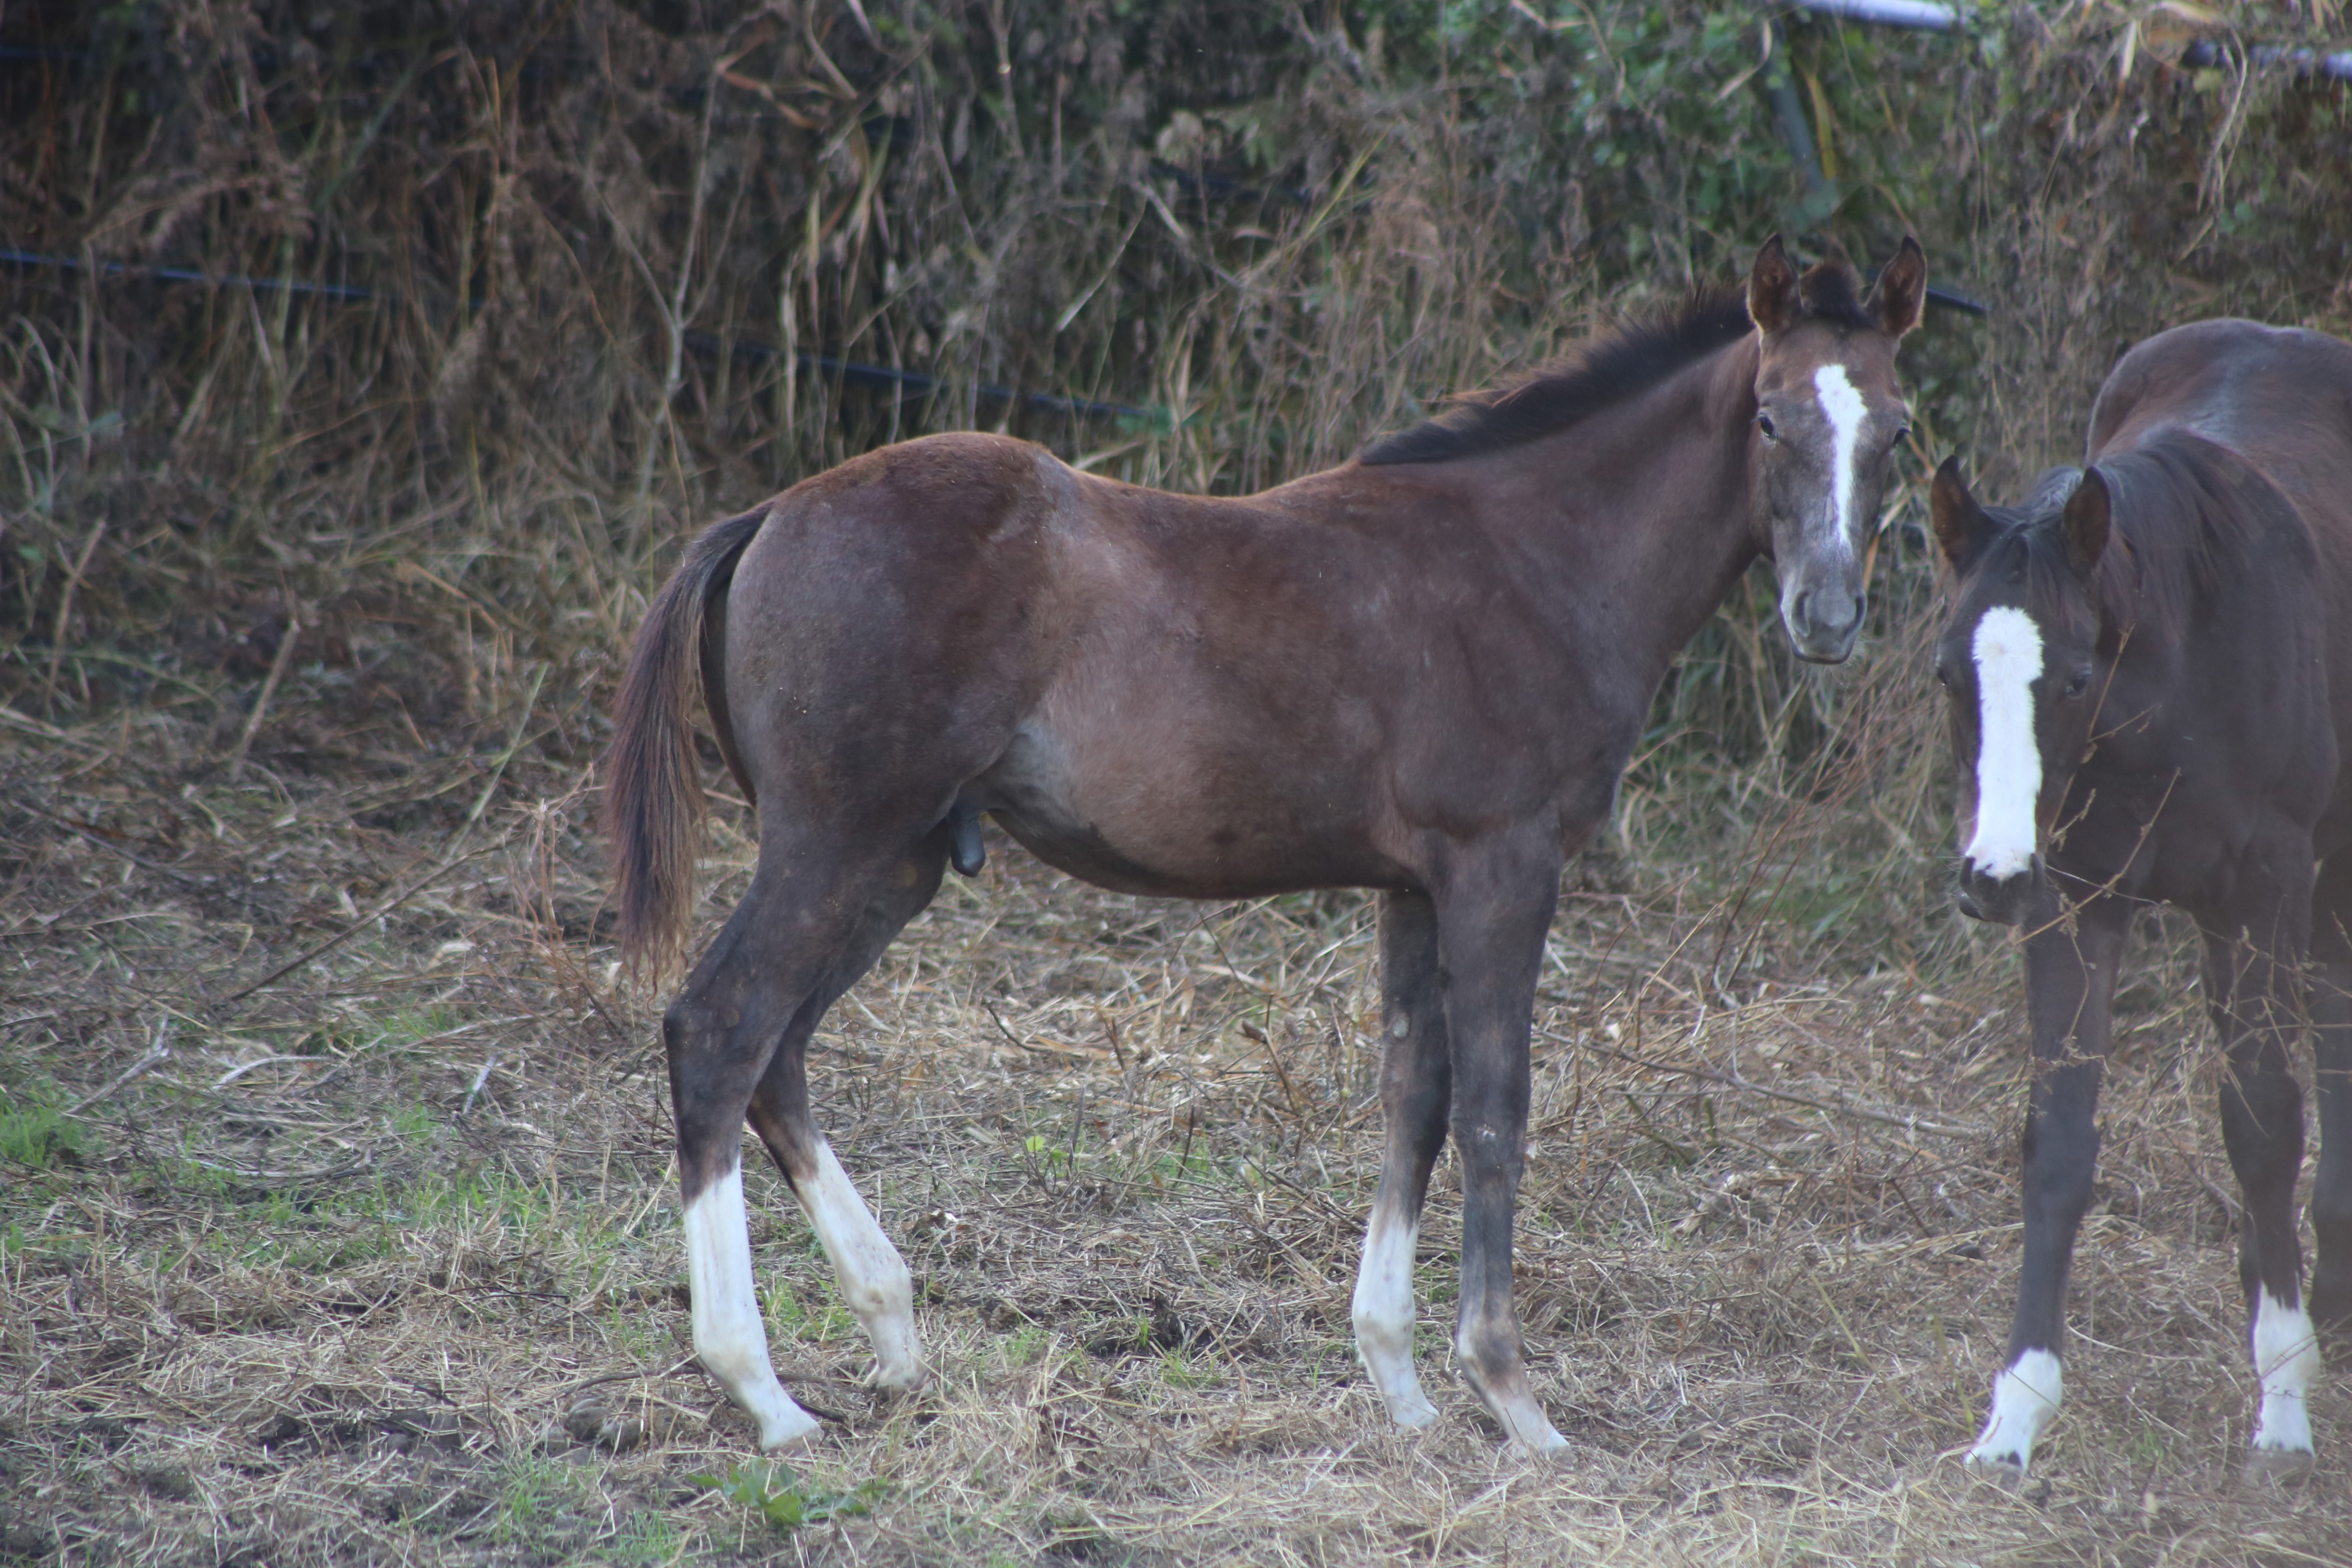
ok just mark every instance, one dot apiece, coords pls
pixel 1545 1445
pixel 1410 1410
pixel 2281 1467
pixel 1525 1429
pixel 787 1435
pixel 2003 1472
pixel 898 1381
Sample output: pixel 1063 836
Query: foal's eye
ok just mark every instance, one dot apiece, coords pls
pixel 1944 676
pixel 1764 425
pixel 2077 683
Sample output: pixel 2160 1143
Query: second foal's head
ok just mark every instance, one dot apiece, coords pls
pixel 1829 419
pixel 2022 661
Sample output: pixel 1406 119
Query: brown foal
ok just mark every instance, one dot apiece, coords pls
pixel 1422 671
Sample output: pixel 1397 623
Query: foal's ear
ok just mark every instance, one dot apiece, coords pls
pixel 1960 522
pixel 1895 303
pixel 2085 520
pixel 1772 300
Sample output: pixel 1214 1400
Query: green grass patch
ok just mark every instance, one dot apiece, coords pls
pixel 646 1538
pixel 791 1318
pixel 540 1500
pixel 34 1131
pixel 779 1494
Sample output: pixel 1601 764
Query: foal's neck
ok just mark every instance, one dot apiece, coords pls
pixel 1648 506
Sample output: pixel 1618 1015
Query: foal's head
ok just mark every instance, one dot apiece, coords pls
pixel 2023 662
pixel 1829 419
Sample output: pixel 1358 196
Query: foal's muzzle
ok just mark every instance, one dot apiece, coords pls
pixel 1823 624
pixel 2001 900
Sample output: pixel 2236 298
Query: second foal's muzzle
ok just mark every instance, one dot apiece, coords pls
pixel 2001 900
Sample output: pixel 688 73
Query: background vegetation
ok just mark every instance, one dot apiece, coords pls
pixel 525 291
pixel 362 367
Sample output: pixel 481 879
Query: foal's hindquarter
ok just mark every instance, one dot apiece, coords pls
pixel 1423 678
pixel 2213 782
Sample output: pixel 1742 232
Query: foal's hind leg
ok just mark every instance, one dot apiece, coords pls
pixel 1416 1091
pixel 873 1278
pixel 781 946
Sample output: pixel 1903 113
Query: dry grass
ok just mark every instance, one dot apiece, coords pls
pixel 325 1283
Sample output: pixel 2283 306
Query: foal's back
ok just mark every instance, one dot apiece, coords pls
pixel 2281 399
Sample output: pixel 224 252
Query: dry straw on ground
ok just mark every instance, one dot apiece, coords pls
pixel 360 1270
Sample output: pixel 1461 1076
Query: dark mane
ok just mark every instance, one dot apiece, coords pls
pixel 1610 368
pixel 2188 516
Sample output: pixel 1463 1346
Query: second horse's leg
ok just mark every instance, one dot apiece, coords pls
pixel 2331 1187
pixel 873 1278
pixel 2070 977
pixel 1416 1088
pixel 2250 979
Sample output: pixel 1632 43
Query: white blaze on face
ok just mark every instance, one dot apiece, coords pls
pixel 728 1337
pixel 2024 1397
pixel 2008 652
pixel 1842 406
pixel 1383 1314
pixel 874 1278
pixel 2286 1358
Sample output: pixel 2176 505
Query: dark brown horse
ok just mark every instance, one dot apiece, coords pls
pixel 1422 671
pixel 2151 671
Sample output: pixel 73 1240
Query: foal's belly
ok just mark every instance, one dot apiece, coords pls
pixel 1158 820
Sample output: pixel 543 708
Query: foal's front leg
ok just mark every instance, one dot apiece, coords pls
pixel 1416 1090
pixel 1491 925
pixel 2070 978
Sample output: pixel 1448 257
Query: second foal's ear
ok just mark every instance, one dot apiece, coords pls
pixel 2089 511
pixel 1773 302
pixel 1959 523
pixel 1895 303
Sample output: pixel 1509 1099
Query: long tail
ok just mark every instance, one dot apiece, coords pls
pixel 653 786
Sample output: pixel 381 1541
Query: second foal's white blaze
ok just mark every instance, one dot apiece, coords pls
pixel 1842 406
pixel 2024 1397
pixel 2008 653
pixel 729 1339
pixel 1383 1314
pixel 2286 1358
pixel 874 1279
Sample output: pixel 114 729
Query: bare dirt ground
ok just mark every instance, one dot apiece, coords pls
pixel 338 1227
